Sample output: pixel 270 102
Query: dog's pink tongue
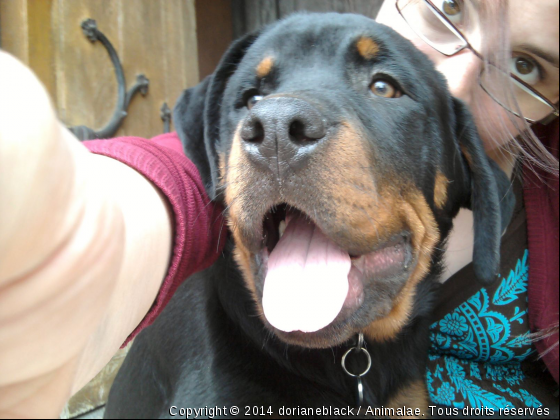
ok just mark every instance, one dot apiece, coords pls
pixel 307 280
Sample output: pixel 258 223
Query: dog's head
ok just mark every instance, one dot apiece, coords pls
pixel 341 159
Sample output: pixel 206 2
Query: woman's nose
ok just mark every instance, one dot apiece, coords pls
pixel 462 72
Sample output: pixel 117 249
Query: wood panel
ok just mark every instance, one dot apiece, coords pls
pixel 364 7
pixel 181 65
pixel 86 85
pixel 13 21
pixel 142 52
pixel 27 33
pixel 41 42
pixel 214 32
pixel 250 15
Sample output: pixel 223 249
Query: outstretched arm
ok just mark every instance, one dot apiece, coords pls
pixel 85 242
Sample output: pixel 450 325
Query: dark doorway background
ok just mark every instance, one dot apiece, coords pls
pixel 219 22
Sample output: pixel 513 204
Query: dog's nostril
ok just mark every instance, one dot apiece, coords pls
pixel 302 132
pixel 253 132
pixel 297 132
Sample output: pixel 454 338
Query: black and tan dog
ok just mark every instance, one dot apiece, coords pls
pixel 341 159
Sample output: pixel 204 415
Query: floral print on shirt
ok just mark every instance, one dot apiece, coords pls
pixel 477 349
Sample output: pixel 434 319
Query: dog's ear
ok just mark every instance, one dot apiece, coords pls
pixel 188 118
pixel 197 114
pixel 491 198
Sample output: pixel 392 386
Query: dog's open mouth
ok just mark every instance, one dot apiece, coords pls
pixel 309 281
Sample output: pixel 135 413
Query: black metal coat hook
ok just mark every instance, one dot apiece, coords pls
pixel 165 114
pixel 89 27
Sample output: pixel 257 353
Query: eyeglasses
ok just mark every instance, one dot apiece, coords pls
pixel 432 25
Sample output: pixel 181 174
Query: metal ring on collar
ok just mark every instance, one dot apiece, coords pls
pixel 368 362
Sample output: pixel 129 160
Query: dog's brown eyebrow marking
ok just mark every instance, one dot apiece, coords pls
pixel 367 47
pixel 265 67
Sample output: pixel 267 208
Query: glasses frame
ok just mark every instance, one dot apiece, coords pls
pixel 554 111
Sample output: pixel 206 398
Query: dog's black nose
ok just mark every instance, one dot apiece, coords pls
pixel 283 129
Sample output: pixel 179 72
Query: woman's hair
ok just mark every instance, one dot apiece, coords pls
pixel 494 19
pixel 543 335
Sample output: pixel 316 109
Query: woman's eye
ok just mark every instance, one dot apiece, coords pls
pixel 453 10
pixel 385 89
pixel 252 101
pixel 526 69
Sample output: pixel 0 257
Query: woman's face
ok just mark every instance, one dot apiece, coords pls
pixel 534 43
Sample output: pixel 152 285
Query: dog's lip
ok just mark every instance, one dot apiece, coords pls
pixel 275 216
pixel 354 255
pixel 399 244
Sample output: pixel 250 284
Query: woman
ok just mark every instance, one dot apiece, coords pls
pixel 482 352
pixel 122 221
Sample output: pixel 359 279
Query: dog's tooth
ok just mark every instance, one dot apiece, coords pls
pixel 282 227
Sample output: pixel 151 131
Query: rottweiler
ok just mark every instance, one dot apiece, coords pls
pixel 341 159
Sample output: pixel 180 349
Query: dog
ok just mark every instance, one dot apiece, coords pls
pixel 341 160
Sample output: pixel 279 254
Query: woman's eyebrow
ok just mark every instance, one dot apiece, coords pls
pixel 552 59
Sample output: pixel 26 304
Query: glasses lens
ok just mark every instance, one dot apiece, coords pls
pixel 429 25
pixel 518 99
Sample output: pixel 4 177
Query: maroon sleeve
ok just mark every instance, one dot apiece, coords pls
pixel 198 227
pixel 541 204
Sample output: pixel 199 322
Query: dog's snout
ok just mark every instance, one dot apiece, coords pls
pixel 282 128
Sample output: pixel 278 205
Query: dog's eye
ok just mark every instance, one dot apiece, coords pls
pixel 252 101
pixel 250 98
pixel 385 89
